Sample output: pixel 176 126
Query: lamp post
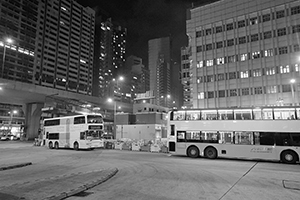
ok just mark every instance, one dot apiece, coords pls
pixel 11 113
pixel 120 78
pixel 7 41
pixel 292 81
pixel 110 100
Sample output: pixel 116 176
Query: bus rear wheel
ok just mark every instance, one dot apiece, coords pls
pixel 50 145
pixel 193 152
pixel 210 153
pixel 76 146
pixel 56 145
pixel 289 157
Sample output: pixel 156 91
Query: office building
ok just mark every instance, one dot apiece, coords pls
pixel 159 59
pixel 52 43
pixel 244 53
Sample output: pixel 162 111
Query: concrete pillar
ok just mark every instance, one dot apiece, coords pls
pixel 33 112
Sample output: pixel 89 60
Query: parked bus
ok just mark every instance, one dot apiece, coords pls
pixel 253 133
pixel 77 132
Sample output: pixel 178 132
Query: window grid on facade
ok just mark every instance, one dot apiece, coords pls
pixel 284 69
pixel 245 91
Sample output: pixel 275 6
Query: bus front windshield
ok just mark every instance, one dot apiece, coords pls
pixel 94 119
pixel 93 135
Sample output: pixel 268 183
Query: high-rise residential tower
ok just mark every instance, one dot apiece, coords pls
pixel 244 53
pixel 53 43
pixel 139 76
pixel 111 45
pixel 160 65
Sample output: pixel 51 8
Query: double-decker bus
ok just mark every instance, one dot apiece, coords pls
pixel 269 133
pixel 77 132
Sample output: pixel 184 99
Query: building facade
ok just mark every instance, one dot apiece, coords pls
pixel 52 43
pixel 138 74
pixel 185 77
pixel 244 53
pixel 111 48
pixel 160 66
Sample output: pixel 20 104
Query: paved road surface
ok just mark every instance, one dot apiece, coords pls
pixel 143 175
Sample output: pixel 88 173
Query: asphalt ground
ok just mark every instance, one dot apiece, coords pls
pixel 57 188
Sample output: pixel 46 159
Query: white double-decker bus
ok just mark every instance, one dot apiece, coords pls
pixel 77 132
pixel 253 133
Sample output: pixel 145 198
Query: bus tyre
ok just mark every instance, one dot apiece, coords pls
pixel 210 153
pixel 193 152
pixel 289 157
pixel 76 146
pixel 56 145
pixel 50 145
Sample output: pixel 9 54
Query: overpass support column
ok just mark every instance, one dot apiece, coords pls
pixel 33 112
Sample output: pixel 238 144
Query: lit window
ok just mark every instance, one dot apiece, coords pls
pixel 209 63
pixel 200 64
pixel 244 57
pixel 256 72
pixel 272 89
pixel 245 74
pixel 270 71
pixel 220 61
pixel 268 52
pixel 201 95
pixel 284 69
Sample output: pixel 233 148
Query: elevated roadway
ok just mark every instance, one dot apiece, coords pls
pixel 34 98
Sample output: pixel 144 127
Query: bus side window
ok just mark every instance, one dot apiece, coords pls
pixel 180 136
pixel 295 139
pixel 266 138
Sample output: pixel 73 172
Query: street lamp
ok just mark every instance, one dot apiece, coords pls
pixel 120 78
pixel 114 100
pixel 110 100
pixel 11 113
pixel 292 81
pixel 7 41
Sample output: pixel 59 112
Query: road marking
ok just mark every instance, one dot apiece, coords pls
pixel 238 180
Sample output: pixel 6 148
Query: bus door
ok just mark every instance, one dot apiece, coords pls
pixel 68 133
pixel 181 140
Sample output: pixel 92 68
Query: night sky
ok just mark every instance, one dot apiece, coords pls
pixel 147 19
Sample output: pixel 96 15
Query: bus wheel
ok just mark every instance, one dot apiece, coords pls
pixel 56 145
pixel 193 152
pixel 289 157
pixel 210 152
pixel 50 145
pixel 76 146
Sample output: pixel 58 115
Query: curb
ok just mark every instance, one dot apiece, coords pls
pixel 83 187
pixel 15 166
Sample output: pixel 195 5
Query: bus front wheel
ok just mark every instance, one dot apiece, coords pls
pixel 50 145
pixel 210 153
pixel 76 146
pixel 289 157
pixel 193 152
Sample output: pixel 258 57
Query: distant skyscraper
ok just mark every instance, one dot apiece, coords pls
pixel 53 43
pixel 244 53
pixel 160 66
pixel 139 75
pixel 110 50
